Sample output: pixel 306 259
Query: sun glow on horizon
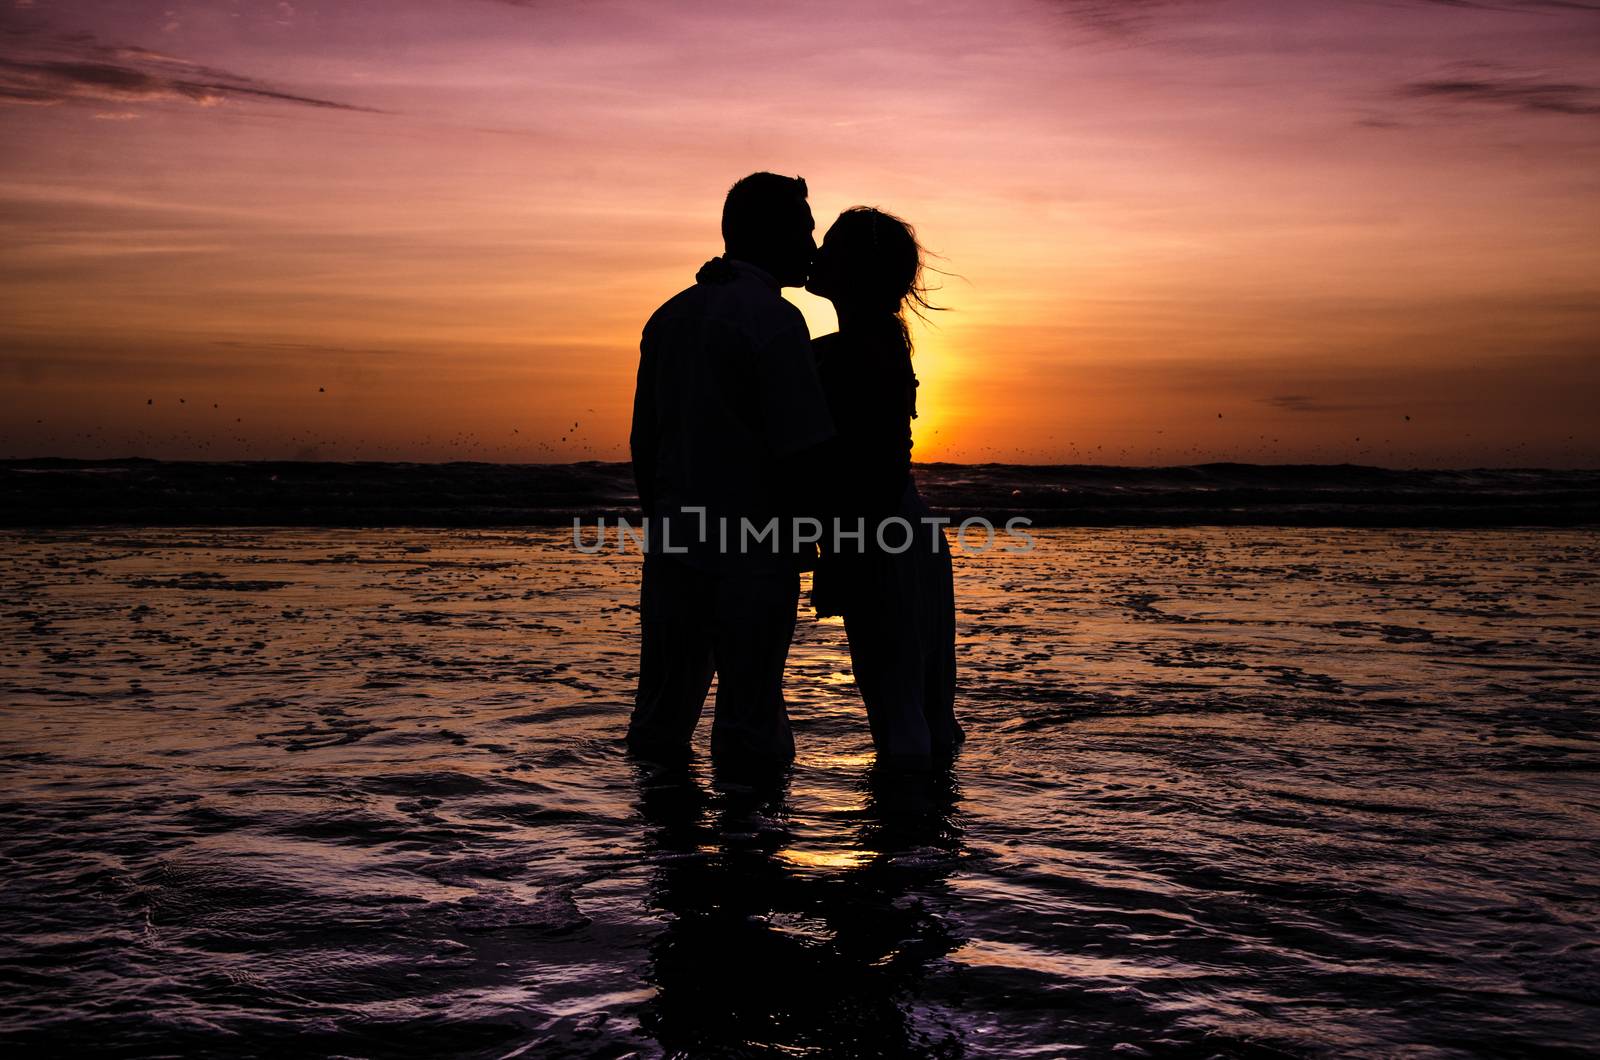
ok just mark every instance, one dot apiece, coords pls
pixel 1234 231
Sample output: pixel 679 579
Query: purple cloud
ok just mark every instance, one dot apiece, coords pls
pixel 1489 87
pixel 49 69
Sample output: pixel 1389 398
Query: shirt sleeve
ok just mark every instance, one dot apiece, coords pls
pixel 642 438
pixel 794 412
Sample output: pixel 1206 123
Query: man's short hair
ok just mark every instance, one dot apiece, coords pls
pixel 754 203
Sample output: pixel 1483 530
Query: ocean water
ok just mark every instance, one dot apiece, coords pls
pixel 1228 792
pixel 136 493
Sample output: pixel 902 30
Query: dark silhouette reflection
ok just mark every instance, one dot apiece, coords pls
pixel 770 951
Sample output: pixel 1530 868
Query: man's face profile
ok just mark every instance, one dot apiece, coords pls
pixel 799 246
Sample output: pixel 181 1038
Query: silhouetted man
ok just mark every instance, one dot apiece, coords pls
pixel 727 396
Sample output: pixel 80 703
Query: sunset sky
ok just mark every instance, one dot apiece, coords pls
pixel 432 229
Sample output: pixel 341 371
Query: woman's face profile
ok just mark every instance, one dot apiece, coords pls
pixel 825 267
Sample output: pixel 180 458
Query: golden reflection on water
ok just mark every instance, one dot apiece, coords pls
pixel 857 760
pixel 826 859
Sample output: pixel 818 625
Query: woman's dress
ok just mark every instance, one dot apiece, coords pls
pixel 898 603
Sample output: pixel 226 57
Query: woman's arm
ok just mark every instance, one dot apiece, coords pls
pixel 881 452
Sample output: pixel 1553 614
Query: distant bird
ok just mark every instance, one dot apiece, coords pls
pixel 149 401
pixel 1219 415
pixel 322 390
pixel 1408 419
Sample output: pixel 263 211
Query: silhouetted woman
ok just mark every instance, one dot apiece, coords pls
pixel 898 602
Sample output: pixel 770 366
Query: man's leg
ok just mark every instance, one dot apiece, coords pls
pixel 675 657
pixel 754 624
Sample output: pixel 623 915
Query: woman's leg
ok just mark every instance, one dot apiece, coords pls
pixel 937 625
pixel 888 664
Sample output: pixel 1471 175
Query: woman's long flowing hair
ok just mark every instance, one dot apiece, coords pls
pixel 885 265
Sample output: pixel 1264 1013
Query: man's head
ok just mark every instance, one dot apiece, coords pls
pixel 767 222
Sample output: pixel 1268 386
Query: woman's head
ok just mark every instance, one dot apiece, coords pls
pixel 869 263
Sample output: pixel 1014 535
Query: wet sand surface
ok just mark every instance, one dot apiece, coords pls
pixel 1228 792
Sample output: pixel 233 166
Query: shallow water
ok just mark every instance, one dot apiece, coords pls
pixel 1237 792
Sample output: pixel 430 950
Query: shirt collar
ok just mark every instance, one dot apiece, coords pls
pixel 755 272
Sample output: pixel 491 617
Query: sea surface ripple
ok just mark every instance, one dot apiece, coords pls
pixel 1229 792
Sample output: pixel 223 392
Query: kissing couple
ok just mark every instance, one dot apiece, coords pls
pixel 759 452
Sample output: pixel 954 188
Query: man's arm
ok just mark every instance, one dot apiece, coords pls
pixel 643 438
pixel 792 408
pixel 794 416
pixel 803 482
